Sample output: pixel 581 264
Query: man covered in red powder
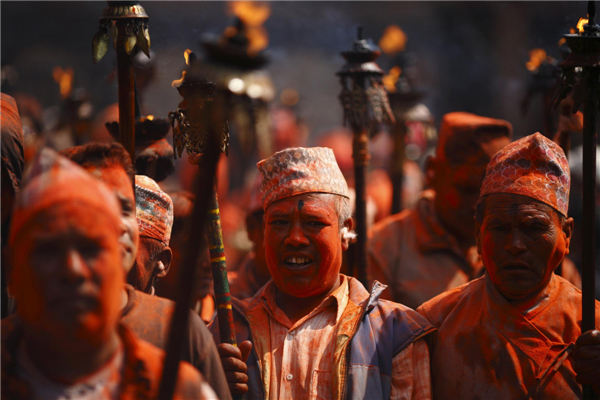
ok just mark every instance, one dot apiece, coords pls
pixel 515 333
pixel 147 316
pixel 316 333
pixel 65 341
pixel 424 251
pixel 253 272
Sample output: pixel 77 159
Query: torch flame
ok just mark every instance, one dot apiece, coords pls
pixel 253 14
pixel 64 78
pixel 581 23
pixel 186 55
pixel 390 80
pixel 393 40
pixel 536 58
pixel 178 82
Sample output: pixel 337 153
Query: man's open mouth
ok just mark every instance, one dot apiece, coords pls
pixel 297 262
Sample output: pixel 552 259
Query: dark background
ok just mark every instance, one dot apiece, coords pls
pixel 471 55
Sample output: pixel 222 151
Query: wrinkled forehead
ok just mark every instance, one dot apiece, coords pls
pixel 315 202
pixel 516 206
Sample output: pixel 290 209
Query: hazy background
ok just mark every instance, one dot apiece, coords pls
pixel 471 55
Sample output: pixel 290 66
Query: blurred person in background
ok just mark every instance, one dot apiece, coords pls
pixel 429 249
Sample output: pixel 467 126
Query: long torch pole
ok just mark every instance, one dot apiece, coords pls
pixel 205 185
pixel 589 207
pixel 361 156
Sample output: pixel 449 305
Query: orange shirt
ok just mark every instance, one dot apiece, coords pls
pixel 486 349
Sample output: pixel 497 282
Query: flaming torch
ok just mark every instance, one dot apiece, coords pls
pixel 200 128
pixel 366 107
pixel 127 22
pixel 585 56
pixel 414 121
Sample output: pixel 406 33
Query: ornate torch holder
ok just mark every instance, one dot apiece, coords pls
pixel 366 108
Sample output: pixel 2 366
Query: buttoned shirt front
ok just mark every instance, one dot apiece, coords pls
pixel 302 353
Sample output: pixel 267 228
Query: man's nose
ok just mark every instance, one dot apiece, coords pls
pixel 76 268
pixel 515 244
pixel 296 236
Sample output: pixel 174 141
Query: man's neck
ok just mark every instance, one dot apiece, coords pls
pixel 70 362
pixel 532 301
pixel 297 308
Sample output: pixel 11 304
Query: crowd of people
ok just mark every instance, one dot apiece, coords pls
pixel 464 301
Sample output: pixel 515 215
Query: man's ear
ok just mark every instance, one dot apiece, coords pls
pixel 430 169
pixel 348 224
pixel 163 263
pixel 567 228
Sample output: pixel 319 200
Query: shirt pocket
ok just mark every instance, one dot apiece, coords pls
pixel 320 385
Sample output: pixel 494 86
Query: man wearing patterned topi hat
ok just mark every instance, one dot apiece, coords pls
pixel 515 333
pixel 314 332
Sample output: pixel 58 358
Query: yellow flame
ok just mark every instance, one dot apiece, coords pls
pixel 186 55
pixel 393 40
pixel 149 117
pixel 536 58
pixel 252 13
pixel 390 80
pixel 64 78
pixel 177 82
pixel 581 23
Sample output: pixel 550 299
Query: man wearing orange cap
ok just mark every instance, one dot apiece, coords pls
pixel 65 341
pixel 424 251
pixel 315 332
pixel 513 333
pixel 147 316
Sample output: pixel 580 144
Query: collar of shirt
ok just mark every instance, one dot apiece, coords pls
pixel 516 327
pixel 339 299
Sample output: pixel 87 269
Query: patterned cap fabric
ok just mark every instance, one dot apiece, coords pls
pixel 459 128
pixel 300 170
pixel 533 166
pixel 53 179
pixel 153 209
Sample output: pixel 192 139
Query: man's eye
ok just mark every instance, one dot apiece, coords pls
pixel 278 222
pixel 317 223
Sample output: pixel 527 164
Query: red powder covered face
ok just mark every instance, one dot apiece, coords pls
pixel 521 242
pixel 457 188
pixel 119 182
pixel 303 246
pixel 69 278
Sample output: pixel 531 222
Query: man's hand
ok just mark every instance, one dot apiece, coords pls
pixel 234 363
pixel 587 359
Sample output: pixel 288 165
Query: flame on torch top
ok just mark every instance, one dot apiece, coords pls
pixel 253 14
pixel 390 80
pixel 64 78
pixel 393 40
pixel 186 55
pixel 536 58
pixel 581 23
